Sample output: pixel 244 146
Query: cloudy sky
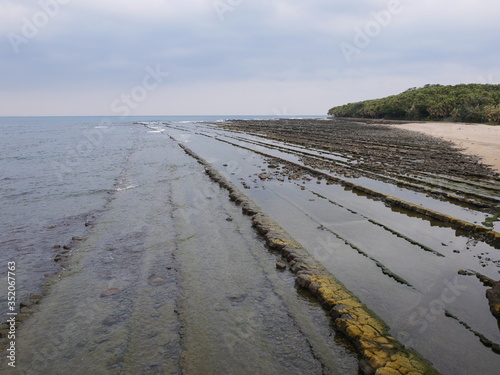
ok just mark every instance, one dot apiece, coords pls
pixel 270 57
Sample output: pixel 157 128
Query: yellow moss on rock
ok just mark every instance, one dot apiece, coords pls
pixel 382 352
pixel 353 331
pixel 279 242
pixel 369 331
pixel 378 359
pixel 495 306
pixel 409 365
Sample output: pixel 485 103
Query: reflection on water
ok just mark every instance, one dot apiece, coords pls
pixel 171 278
pixel 367 246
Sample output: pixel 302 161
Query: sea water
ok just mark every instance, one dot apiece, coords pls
pixel 56 175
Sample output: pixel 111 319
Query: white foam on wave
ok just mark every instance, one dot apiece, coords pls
pixel 126 188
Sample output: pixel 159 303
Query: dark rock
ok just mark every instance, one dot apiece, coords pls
pixel 487 281
pixel 249 209
pixel 280 266
pixel 299 266
pixel 286 251
pixel 35 297
pixel 313 288
pixel 239 298
pixel 275 240
pixel 306 272
pixel 156 280
pixel 110 320
pixel 496 347
pixel 304 280
pixel 110 292
pixel 336 313
pixel 493 296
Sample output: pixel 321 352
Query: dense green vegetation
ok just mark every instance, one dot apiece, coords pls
pixel 470 103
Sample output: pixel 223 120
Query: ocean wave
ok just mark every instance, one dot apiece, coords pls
pixel 126 187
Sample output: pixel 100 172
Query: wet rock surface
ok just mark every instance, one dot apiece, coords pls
pixel 110 292
pixel 380 352
pixel 398 157
pixel 165 284
pixel 493 296
pixel 153 270
pixel 372 147
pixel 337 215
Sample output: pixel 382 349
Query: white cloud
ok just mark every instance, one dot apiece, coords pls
pixel 103 46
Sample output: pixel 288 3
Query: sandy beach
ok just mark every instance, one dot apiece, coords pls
pixel 476 139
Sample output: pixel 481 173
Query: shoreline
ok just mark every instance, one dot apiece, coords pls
pixel 476 139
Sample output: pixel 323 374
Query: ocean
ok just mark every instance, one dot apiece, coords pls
pixel 144 264
pixel 56 175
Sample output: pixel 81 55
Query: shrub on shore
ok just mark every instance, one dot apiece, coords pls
pixel 465 102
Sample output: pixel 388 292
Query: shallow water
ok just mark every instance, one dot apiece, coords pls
pixel 171 278
pixel 55 176
pixel 403 266
pixel 295 154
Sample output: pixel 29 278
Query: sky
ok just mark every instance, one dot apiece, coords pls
pixel 235 57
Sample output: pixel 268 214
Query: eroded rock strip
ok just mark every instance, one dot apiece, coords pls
pixel 236 308
pixel 478 230
pixel 300 202
pixel 380 352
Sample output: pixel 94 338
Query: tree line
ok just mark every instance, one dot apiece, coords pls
pixel 464 103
